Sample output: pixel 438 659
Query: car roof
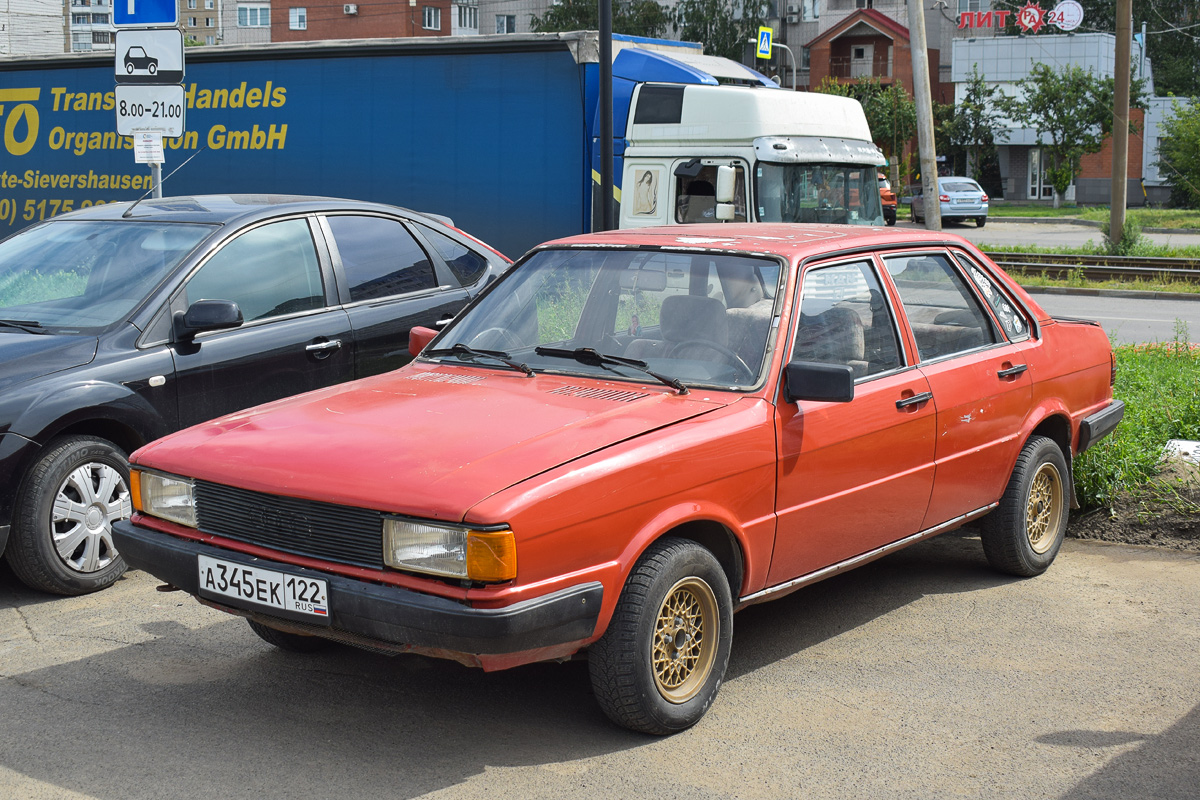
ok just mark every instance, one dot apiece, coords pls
pixel 792 240
pixel 230 208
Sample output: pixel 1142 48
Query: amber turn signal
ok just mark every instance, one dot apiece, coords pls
pixel 491 556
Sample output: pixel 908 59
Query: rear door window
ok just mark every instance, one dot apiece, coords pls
pixel 945 316
pixel 380 258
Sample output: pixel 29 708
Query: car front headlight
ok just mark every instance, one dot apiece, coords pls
pixel 452 551
pixel 164 496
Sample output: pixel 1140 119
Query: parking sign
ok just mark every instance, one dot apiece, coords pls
pixel 145 13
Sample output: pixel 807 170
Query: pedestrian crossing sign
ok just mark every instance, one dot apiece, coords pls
pixel 764 42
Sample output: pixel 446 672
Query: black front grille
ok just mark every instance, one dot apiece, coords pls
pixel 303 527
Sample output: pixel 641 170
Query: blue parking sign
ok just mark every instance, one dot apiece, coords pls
pixel 145 13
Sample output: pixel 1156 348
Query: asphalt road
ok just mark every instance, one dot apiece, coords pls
pixel 1129 320
pixel 923 675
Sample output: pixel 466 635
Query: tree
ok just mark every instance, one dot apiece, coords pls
pixel 1171 45
pixel 891 111
pixel 724 27
pixel 974 124
pixel 1179 153
pixel 632 18
pixel 1069 108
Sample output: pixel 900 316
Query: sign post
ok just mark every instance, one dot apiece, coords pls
pixel 148 66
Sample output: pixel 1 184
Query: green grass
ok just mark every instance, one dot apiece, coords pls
pixel 1160 385
pixel 1143 249
pixel 1142 217
pixel 1077 280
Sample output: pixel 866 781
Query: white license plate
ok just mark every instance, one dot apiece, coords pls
pixel 265 587
pixel 962 201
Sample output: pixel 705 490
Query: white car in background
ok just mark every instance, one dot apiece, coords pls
pixel 961 199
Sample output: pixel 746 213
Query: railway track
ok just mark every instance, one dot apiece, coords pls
pixel 1100 268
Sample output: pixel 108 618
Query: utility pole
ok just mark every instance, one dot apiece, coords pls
pixel 606 118
pixel 1120 129
pixel 924 100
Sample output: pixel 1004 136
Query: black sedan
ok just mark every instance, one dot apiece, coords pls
pixel 121 323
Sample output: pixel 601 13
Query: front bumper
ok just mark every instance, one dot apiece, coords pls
pixel 1101 424
pixel 378 612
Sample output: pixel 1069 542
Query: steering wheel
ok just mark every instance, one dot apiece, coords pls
pixel 496 338
pixel 731 358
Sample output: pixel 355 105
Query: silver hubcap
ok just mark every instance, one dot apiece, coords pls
pixel 91 498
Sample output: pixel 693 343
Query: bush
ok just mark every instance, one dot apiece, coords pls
pixel 1129 242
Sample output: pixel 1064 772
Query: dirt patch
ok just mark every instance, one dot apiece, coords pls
pixel 1166 513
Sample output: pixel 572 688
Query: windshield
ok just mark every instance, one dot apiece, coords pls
pixel 827 193
pixel 702 319
pixel 87 275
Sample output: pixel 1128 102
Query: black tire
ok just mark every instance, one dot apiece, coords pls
pixel 980 221
pixel 292 642
pixel 645 680
pixel 890 220
pixel 70 553
pixel 1023 535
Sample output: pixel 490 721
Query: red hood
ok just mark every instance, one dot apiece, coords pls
pixel 427 440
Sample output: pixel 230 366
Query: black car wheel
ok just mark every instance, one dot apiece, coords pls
pixel 658 666
pixel 1023 535
pixel 980 221
pixel 292 642
pixel 62 522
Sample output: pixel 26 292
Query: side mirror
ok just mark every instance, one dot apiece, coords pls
pixel 417 339
pixel 725 212
pixel 809 380
pixel 207 315
pixel 726 184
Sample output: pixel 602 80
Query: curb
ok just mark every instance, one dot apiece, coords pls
pixel 1086 223
pixel 1129 293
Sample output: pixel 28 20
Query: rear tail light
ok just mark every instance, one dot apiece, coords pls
pixel 1112 372
pixel 983 199
pixel 945 198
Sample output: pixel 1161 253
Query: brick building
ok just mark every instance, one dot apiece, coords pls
pixel 303 20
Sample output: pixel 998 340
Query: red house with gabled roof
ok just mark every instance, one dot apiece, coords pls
pixel 870 44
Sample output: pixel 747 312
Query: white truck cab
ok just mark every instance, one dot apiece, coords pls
pixel 789 157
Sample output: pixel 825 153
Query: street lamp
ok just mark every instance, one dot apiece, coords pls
pixel 790 55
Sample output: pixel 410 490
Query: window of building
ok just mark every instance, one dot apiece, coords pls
pixel 810 10
pixel 254 16
pixel 805 58
pixel 468 17
pixel 81 42
pixel 209 4
pixel 80 19
pixel 191 3
pixel 974 5
pixel 209 22
pixel 191 22
pixel 298 19
pixel 102 37
pixel 83 3
pixel 99 19
pixel 431 18
pixel 864 3
pixel 506 23
pixel 210 40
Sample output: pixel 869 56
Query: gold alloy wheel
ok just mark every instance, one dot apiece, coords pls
pixel 686 633
pixel 1044 510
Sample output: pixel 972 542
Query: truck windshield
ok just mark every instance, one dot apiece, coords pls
pixel 83 276
pixel 845 194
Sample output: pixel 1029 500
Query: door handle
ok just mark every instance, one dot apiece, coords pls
pixel 324 347
pixel 441 323
pixel 916 399
pixel 1011 371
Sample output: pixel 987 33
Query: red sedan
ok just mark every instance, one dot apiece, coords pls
pixel 627 438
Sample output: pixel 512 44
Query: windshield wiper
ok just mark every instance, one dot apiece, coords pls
pixel 27 325
pixel 461 350
pixel 592 358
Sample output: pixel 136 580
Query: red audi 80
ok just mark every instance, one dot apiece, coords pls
pixel 629 437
